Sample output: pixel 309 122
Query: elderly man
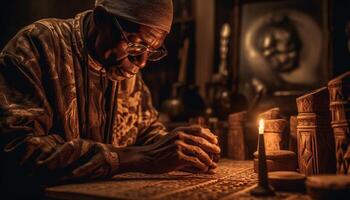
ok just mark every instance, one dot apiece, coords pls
pixel 73 105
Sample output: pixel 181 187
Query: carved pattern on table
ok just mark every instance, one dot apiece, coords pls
pixel 231 176
pixel 218 188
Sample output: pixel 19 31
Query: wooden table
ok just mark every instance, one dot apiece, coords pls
pixel 233 180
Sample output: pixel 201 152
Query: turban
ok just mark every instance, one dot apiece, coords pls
pixel 153 13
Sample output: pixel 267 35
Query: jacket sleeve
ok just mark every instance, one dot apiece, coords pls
pixel 151 129
pixel 29 150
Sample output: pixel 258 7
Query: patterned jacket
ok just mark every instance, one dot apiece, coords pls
pixel 42 107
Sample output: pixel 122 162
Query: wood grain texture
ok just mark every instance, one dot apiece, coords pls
pixel 236 148
pixel 339 96
pixel 316 150
pixel 231 177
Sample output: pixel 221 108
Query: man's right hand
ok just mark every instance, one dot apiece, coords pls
pixel 190 147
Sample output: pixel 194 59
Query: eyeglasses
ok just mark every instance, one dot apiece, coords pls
pixel 136 49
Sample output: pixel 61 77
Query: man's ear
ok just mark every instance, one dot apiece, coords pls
pixel 101 17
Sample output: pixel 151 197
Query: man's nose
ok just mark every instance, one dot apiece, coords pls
pixel 141 60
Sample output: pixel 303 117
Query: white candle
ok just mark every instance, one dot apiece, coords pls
pixel 263 188
pixel 261 126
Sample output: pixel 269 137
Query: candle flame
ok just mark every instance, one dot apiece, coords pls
pixel 261 126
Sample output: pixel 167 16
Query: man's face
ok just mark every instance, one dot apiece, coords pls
pixel 281 49
pixel 110 47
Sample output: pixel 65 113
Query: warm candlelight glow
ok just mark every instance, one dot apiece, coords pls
pixel 261 126
pixel 263 188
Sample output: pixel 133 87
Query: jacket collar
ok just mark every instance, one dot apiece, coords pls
pixel 78 29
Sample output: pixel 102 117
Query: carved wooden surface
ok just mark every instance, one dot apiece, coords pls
pixel 235 137
pixel 314 102
pixel 316 150
pixel 220 129
pixel 293 134
pixel 233 180
pixel 231 177
pixel 274 129
pixel 307 157
pixel 339 95
pixel 273 113
pixel 281 160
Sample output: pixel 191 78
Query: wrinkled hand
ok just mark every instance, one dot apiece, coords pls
pixel 190 148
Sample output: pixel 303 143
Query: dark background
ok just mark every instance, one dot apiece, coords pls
pixel 14 14
pixel 18 13
pixel 340 15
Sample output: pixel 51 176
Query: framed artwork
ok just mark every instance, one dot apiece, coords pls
pixel 282 47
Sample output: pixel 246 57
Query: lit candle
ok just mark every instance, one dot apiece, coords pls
pixel 263 188
pixel 261 126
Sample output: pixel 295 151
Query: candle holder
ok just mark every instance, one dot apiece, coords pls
pixel 263 188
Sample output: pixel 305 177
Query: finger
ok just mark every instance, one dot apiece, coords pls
pixel 168 151
pixel 194 157
pixel 215 158
pixel 192 161
pixel 208 133
pixel 100 172
pixel 199 131
pixel 195 151
pixel 167 140
pixel 85 170
pixel 201 142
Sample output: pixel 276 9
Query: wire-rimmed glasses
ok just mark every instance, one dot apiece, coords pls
pixel 136 49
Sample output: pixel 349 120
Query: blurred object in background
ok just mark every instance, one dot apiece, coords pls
pixel 198 121
pixel 217 92
pixel 174 106
pixel 172 79
pixel 221 101
pixel 219 128
pixel 347 30
pixel 236 147
pixel 316 148
pixel 284 48
pixel 293 145
pixel 339 97
pixel 185 101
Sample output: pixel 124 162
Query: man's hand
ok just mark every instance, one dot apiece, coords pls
pixel 193 148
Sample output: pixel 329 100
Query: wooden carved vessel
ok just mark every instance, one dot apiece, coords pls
pixel 339 96
pixel 316 149
pixel 235 138
pixel 274 129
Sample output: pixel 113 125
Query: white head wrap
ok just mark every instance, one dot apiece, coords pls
pixel 153 13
